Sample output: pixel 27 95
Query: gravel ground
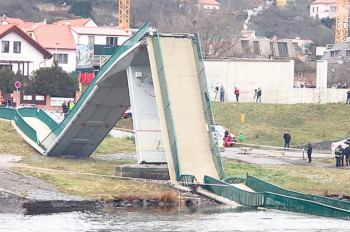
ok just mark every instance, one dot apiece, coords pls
pixel 28 186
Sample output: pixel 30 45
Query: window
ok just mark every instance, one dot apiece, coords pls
pixel 61 58
pixel 333 8
pixel 313 9
pixel 347 52
pixel 16 46
pixel 245 46
pixel 91 40
pixel 272 49
pixel 5 47
pixel 282 49
pixel 112 41
pixel 332 54
pixel 256 48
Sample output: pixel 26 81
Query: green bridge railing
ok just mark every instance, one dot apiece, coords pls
pixel 206 104
pixel 121 50
pixel 259 185
pixel 233 193
pixel 166 104
pixel 271 196
pixel 18 114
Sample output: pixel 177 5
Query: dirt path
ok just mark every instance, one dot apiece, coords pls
pixel 27 186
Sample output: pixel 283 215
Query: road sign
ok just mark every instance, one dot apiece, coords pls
pixel 18 84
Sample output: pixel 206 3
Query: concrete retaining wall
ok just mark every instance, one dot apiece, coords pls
pixel 275 78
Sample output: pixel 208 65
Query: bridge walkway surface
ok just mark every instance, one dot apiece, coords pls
pixel 194 154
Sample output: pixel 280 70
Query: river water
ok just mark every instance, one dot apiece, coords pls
pixel 201 218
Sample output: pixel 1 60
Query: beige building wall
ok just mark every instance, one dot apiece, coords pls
pixel 275 78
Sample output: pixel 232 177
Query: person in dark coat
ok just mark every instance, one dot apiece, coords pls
pixel 309 151
pixel 348 97
pixel 236 93
pixel 339 151
pixel 287 137
pixel 222 94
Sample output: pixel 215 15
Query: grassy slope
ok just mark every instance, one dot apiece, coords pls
pixel 306 122
pixel 83 185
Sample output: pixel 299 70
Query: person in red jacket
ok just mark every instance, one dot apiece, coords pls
pixel 237 93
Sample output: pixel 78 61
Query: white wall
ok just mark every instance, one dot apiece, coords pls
pixel 323 10
pixel 72 59
pixel 248 75
pixel 28 53
pixel 99 39
pixel 275 78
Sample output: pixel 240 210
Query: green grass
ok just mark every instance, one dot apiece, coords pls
pixel 307 179
pixel 305 122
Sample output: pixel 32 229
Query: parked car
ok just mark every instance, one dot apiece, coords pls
pixel 127 113
pixel 220 133
pixel 344 144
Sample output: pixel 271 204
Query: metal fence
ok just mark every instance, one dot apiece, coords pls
pixel 298 205
pixel 259 185
pixel 44 117
pixel 7 113
pixel 166 103
pixel 25 128
pixel 28 112
pixel 206 103
pixel 274 197
pixel 233 193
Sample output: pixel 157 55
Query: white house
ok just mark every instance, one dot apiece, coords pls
pixel 59 41
pixel 20 52
pixel 85 22
pixel 209 4
pixel 96 44
pixel 323 9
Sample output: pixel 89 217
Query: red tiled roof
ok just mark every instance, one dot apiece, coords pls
pixel 324 1
pixel 209 2
pixel 73 22
pixel 111 31
pixel 6 29
pixel 15 21
pixel 55 36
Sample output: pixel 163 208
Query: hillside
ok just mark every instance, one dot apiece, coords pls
pixel 285 22
pixel 305 122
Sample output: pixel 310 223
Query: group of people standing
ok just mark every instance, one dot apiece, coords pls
pixel 257 94
pixel 340 154
pixel 67 107
pixel 5 102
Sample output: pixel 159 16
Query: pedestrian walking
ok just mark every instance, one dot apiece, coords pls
pixel 258 95
pixel 309 151
pixel 338 153
pixel 236 93
pixel 348 97
pixel 222 94
pixel 287 137
pixel 65 109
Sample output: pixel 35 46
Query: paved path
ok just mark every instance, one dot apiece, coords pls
pixel 269 157
pixel 28 186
